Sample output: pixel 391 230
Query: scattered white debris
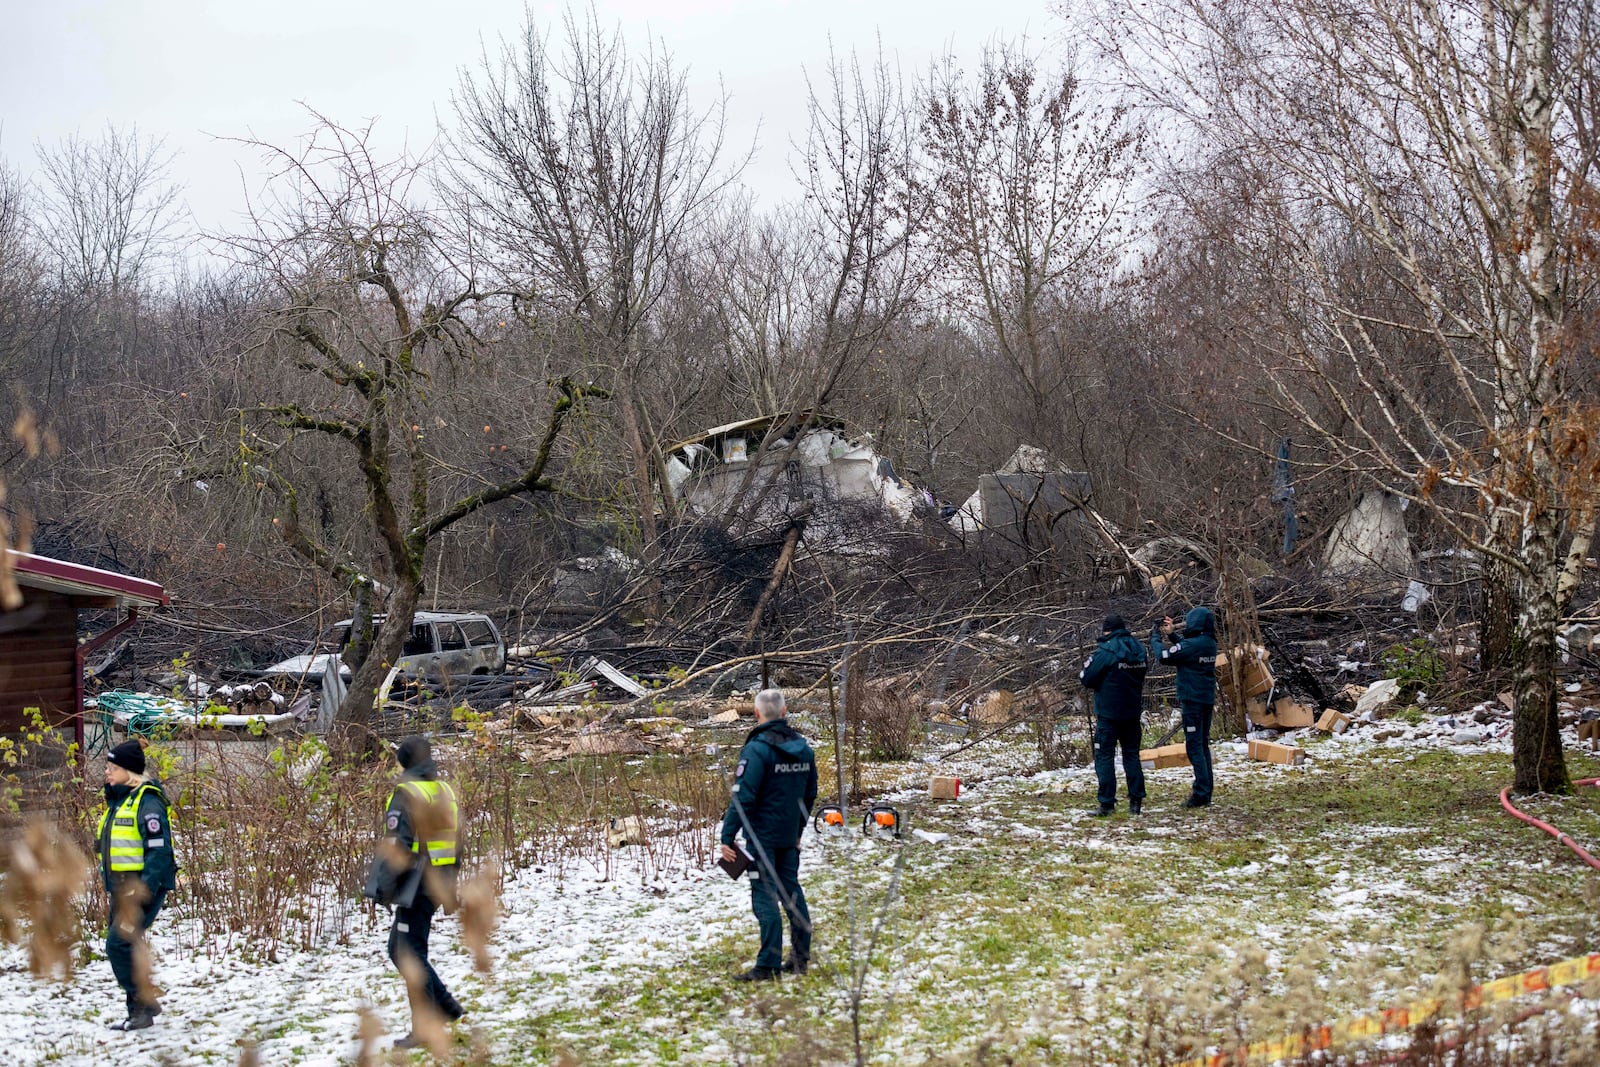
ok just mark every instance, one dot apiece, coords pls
pixel 1378 694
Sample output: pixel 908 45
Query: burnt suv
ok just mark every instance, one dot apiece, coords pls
pixel 441 643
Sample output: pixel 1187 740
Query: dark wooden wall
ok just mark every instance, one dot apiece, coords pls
pixel 38 660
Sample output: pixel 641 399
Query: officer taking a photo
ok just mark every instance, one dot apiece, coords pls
pixel 415 872
pixel 1194 654
pixel 774 788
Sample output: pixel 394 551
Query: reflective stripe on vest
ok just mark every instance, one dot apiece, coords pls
pixel 436 797
pixel 126 847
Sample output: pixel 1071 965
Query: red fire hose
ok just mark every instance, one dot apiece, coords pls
pixel 1583 854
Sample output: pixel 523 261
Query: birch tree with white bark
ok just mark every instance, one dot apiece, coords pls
pixel 1450 139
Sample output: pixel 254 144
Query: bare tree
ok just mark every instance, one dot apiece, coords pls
pixel 107 209
pixel 1027 182
pixel 859 166
pixel 21 272
pixel 814 295
pixel 373 309
pixel 593 174
pixel 1445 137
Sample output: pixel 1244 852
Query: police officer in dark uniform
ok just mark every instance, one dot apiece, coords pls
pixel 1195 657
pixel 415 870
pixel 1115 673
pixel 774 788
pixel 137 867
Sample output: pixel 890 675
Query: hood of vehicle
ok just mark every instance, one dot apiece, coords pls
pixel 310 665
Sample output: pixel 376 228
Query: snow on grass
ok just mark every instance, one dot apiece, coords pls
pixel 560 937
pixel 1030 924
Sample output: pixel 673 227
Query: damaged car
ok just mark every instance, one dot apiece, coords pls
pixel 441 643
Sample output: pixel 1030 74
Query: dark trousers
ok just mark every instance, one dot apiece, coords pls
pixel 409 937
pixel 1108 734
pixel 119 949
pixel 1197 745
pixel 769 905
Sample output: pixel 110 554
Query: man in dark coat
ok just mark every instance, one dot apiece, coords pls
pixel 1115 673
pixel 774 788
pixel 138 869
pixel 415 871
pixel 1195 657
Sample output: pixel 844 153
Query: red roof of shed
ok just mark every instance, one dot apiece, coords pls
pixel 74 579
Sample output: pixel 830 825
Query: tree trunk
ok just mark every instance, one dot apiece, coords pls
pixel 1536 729
pixel 643 494
pixel 358 646
pixel 1577 554
pixel 354 720
pixel 1497 625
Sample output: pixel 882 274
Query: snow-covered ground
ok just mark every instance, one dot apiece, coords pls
pixel 559 937
pixel 1022 918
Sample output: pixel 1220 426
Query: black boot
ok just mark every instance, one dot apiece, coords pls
pixel 1104 810
pixel 411 1040
pixel 451 1008
pixel 1135 807
pixel 758 974
pixel 796 965
pixel 1196 802
pixel 140 1019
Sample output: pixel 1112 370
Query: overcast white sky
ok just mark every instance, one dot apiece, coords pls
pixel 193 71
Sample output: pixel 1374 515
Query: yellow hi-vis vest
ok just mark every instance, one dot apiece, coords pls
pixel 127 836
pixel 441 849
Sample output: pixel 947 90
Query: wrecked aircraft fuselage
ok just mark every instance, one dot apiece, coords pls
pixel 770 470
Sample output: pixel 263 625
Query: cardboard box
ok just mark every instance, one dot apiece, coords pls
pixel 1256 711
pixel 1590 732
pixel 944 787
pixel 1283 714
pixel 1157 759
pixel 994 709
pixel 1333 722
pixel 1255 677
pixel 1291 715
pixel 1272 752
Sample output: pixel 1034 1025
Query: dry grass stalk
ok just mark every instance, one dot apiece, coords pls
pixel 480 912
pixel 47 874
pixel 889 717
pixel 432 820
pixel 427 1022
pixel 128 917
pixel 368 1031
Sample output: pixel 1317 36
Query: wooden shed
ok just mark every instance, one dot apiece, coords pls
pixel 41 659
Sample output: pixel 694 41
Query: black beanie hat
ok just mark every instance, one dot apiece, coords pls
pixel 129 756
pixel 1112 622
pixel 412 751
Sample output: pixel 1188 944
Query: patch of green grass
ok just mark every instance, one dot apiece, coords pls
pixel 1035 924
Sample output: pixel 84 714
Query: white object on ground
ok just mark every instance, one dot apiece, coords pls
pixel 1377 695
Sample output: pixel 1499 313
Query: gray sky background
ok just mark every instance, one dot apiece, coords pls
pixel 194 71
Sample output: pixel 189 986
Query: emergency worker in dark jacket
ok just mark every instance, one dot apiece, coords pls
pixel 138 869
pixel 1195 657
pixel 415 872
pixel 774 788
pixel 1116 675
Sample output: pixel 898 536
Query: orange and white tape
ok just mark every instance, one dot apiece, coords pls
pixel 1390 1020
